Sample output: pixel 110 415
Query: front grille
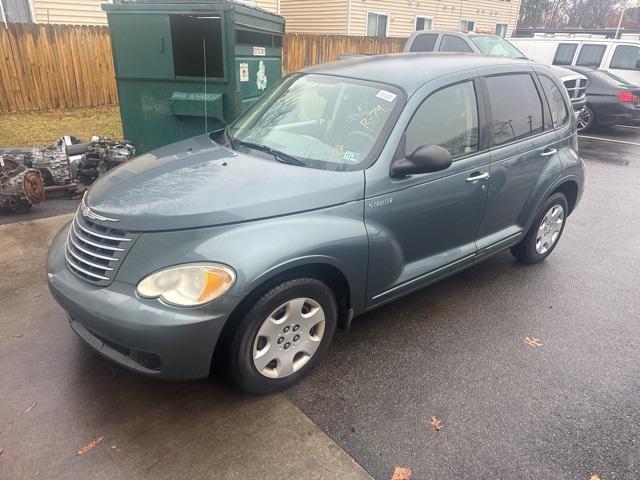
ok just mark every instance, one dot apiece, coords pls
pixel 577 88
pixel 94 251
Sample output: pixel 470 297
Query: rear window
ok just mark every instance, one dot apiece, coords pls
pixel 450 43
pixel 424 43
pixel 564 53
pixel 508 123
pixel 626 57
pixel 591 55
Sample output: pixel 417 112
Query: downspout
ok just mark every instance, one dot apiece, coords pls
pixel 278 7
pixel 349 17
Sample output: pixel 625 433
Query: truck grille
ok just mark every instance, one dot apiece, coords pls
pixel 577 88
pixel 93 251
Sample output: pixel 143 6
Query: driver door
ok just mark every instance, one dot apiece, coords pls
pixel 423 227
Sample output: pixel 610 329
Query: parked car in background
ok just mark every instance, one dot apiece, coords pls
pixel 611 100
pixel 344 187
pixel 449 41
pixel 620 57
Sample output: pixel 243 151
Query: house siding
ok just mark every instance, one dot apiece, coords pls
pixel 315 16
pixel 269 5
pixel 80 12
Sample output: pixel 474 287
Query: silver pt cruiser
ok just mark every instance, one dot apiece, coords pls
pixel 345 187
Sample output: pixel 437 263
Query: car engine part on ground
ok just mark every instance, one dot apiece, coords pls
pixel 20 187
pixel 69 162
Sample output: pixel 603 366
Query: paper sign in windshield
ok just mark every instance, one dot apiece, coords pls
pixel 387 96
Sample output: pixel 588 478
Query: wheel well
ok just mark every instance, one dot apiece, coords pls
pixel 326 273
pixel 570 190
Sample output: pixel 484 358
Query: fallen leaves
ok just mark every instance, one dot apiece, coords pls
pixel 532 342
pixel 31 407
pixel 90 446
pixel 1 451
pixel 594 477
pixel 401 473
pixel 435 423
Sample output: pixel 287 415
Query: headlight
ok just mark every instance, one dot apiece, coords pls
pixel 188 285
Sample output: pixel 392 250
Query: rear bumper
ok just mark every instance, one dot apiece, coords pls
pixel 142 335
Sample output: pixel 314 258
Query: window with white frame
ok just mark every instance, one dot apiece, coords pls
pixel 424 23
pixel 501 29
pixel 467 25
pixel 377 24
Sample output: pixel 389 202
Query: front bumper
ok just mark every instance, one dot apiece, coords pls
pixel 143 335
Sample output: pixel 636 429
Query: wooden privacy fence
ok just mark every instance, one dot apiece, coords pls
pixel 302 50
pixel 44 67
pixel 55 66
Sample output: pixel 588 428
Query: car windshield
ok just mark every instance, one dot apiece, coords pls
pixel 321 121
pixel 496 46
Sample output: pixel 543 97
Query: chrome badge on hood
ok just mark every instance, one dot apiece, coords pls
pixel 90 214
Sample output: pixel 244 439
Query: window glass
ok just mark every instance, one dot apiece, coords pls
pixel 516 107
pixel 424 23
pixel 496 46
pixel 501 29
pixel 424 42
pixel 467 25
pixel 559 111
pixel 450 43
pixel 329 123
pixel 564 53
pixel 591 55
pixel 448 118
pixel 377 24
pixel 626 57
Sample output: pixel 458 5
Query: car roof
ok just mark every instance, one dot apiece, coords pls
pixel 409 71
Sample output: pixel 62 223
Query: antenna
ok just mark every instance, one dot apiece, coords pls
pixel 204 53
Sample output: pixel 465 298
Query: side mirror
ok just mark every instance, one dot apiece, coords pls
pixel 425 159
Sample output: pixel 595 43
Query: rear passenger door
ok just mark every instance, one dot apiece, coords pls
pixel 523 145
pixel 451 43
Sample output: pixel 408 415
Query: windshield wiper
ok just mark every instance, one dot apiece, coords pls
pixel 277 154
pixel 229 138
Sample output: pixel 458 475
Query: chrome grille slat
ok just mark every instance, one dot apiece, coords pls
pixel 97 245
pixel 87 262
pixel 86 272
pixel 89 252
pixel 106 237
pixel 94 249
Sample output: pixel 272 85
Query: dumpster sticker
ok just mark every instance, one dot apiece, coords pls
pixel 261 76
pixel 259 51
pixel 244 72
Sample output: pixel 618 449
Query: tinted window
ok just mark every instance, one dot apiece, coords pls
pixel 453 44
pixel 516 107
pixel 424 43
pixel 591 55
pixel 448 118
pixel 559 111
pixel 564 53
pixel 626 57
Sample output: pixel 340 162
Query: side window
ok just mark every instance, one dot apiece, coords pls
pixel 450 43
pixel 564 53
pixel 449 118
pixel 591 55
pixel 509 122
pixel 425 42
pixel 559 111
pixel 626 57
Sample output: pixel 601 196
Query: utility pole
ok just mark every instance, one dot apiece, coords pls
pixel 620 20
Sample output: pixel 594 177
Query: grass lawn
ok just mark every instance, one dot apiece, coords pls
pixel 34 129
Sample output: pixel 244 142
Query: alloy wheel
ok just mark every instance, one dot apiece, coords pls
pixel 584 119
pixel 549 229
pixel 288 338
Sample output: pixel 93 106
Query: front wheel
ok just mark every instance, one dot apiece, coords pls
pixel 283 336
pixel 545 232
pixel 586 119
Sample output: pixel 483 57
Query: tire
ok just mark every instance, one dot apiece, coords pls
pixel 533 248
pixel 262 353
pixel 586 119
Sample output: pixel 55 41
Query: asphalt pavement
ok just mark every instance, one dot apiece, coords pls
pixel 567 409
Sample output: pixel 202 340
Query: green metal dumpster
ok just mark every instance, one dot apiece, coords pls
pixel 184 68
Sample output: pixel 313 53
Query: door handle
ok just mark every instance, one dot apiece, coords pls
pixel 548 152
pixel 475 177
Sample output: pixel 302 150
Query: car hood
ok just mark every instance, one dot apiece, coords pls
pixel 198 183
